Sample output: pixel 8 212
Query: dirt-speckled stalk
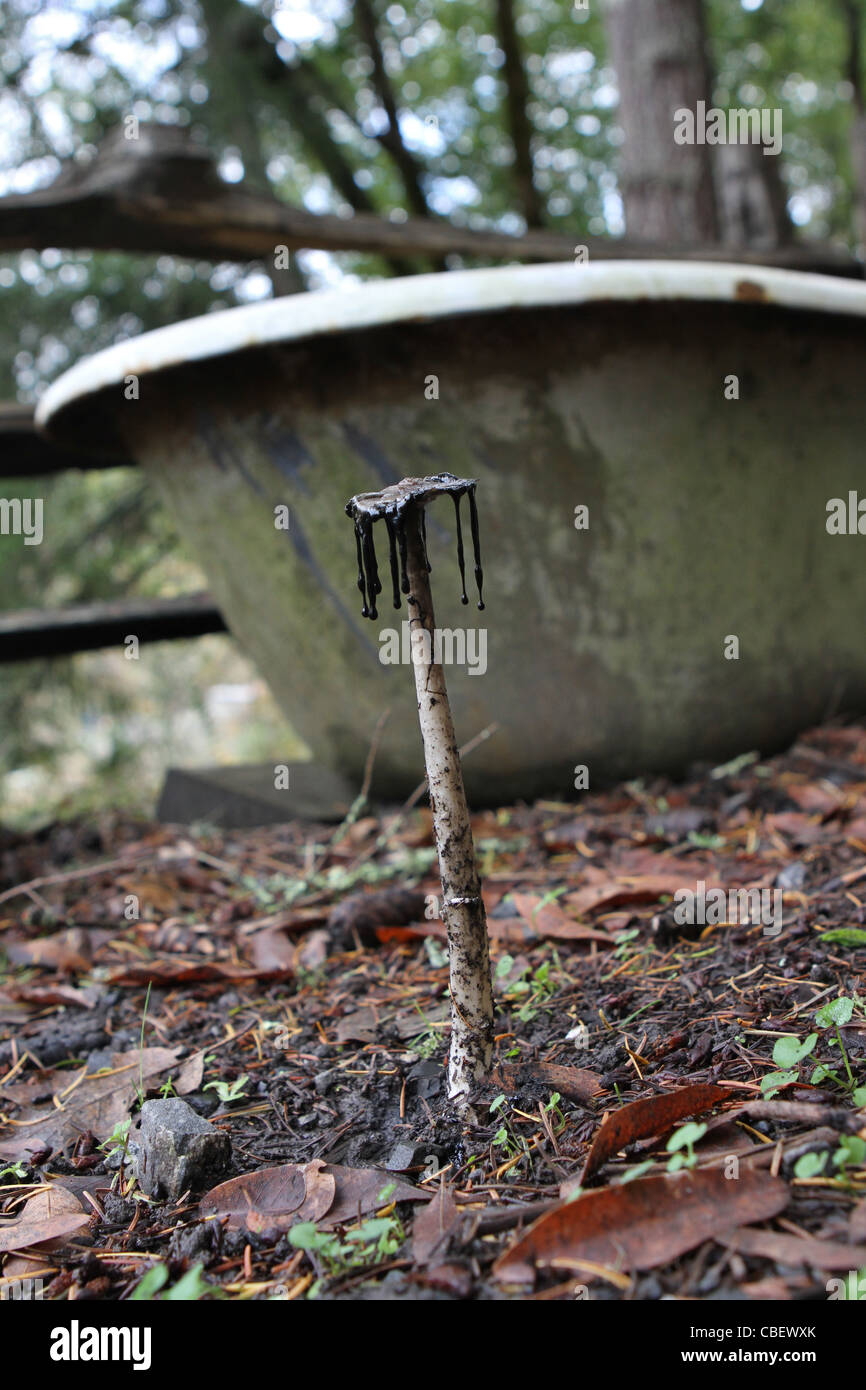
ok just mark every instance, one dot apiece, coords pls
pixel 463 912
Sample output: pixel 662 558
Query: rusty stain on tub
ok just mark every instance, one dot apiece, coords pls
pixel 750 292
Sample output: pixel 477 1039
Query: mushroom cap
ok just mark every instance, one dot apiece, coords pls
pixel 392 501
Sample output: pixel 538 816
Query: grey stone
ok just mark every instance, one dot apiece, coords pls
pixel 792 877
pixel 428 1077
pixel 241 796
pixel 404 1156
pixel 175 1149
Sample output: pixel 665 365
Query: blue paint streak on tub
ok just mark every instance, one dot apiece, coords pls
pixel 370 452
pixel 304 552
pixel 289 455
pixel 222 453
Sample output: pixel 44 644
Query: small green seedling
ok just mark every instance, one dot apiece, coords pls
pixel 789 1052
pixel 851 1152
pixel 370 1242
pixel 537 985
pixel 434 953
pixel 684 1138
pixel 141 1046
pixel 637 1171
pixel 117 1139
pixel 852 937
pixel 15 1170
pixel 623 939
pixel 554 1107
pixel 837 1012
pixel 505 1137
pixel 228 1091
pixel 810 1165
pixel 191 1287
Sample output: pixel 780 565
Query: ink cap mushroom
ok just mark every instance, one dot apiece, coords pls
pixel 402 508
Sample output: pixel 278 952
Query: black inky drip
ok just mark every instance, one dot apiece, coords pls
pixel 368 573
pixel 476 545
pixel 392 506
pixel 460 559
pixel 361 582
pixel 392 555
pixel 403 544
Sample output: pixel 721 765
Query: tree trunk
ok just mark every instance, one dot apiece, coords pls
pixel 852 11
pixel 230 63
pixel 658 48
pixel 517 104
pixel 753 203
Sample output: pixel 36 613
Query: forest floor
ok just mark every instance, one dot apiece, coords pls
pixel 678 1108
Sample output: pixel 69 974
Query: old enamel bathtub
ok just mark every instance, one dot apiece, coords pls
pixel 656 447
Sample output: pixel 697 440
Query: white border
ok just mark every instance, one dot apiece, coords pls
pixel 423 297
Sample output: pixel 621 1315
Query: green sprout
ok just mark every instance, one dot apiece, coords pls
pixel 684 1138
pixel 228 1091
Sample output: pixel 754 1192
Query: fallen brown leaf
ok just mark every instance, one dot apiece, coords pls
pixel 576 1083
pixel 162 973
pixel 97 1102
pixel 359 1189
pixel 70 952
pixel 47 1221
pixel 274 1196
pixel 641 1224
pixel 550 921
pixel 44 996
pixel 643 1119
pixel 271 951
pixel 277 1198
pixel 795 1250
pixel 433 1225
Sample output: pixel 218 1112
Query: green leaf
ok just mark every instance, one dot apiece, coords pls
pixel 774 1079
pixel 191 1287
pixel 837 1011
pixel 787 1052
pixel 637 1171
pixel 851 1152
pixel 859 1097
pixel 18 1170
pixel 810 1165
pixel 371 1230
pixel 118 1136
pixel 149 1284
pixel 435 954
pixel 305 1236
pixel 684 1136
pixel 845 936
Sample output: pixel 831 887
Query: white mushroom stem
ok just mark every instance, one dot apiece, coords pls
pixel 471 1054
